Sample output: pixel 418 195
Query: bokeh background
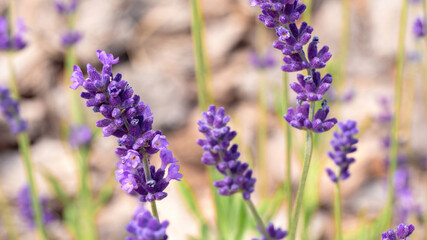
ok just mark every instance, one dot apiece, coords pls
pixel 153 40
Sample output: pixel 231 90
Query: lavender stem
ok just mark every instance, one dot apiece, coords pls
pixel 337 212
pixel 260 224
pixel 148 178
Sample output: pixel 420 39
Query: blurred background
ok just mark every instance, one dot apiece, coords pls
pixel 154 43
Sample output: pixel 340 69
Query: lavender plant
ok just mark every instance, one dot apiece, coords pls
pixel 282 16
pixel 219 152
pixel 130 120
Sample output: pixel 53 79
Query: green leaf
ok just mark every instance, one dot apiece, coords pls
pixel 190 200
pixel 104 194
pixel 57 189
pixel 241 220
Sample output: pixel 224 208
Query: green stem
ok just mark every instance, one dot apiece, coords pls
pixel 148 178
pixel 86 226
pixel 288 147
pixel 260 224
pixel 307 160
pixel 337 212
pixel 300 193
pixel 24 148
pixel 203 73
pixel 262 133
pixel 397 104
pixel 12 83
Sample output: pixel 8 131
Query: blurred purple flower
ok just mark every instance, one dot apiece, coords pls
pixel 80 136
pixel 386 114
pixel 70 38
pixel 146 227
pixel 10 110
pixel 8 42
pixel 419 28
pixel 26 208
pixel 66 6
pixel 262 62
pixel 343 144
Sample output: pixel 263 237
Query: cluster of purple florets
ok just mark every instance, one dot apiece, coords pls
pixel 67 8
pixel 130 120
pixel 10 110
pixel 9 42
pixel 26 208
pixel 219 153
pixel 402 233
pixel 145 226
pixel 273 233
pixel 282 16
pixel 343 144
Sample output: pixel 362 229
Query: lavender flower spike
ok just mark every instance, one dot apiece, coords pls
pixel 343 144
pixel 26 209
pixel 402 232
pixel 10 110
pixel 130 120
pixel 144 226
pixel 9 42
pixel 218 152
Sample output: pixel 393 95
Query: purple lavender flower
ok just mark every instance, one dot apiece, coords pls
pixel 386 115
pixel 418 28
pixel 343 144
pixel 402 232
pixel 70 38
pixel 130 120
pixel 262 62
pixel 66 7
pixel 80 136
pixel 145 226
pixel 312 87
pixel 299 118
pixel 9 42
pixel 26 208
pixel 10 110
pixel 273 233
pixel 282 16
pixel 219 153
